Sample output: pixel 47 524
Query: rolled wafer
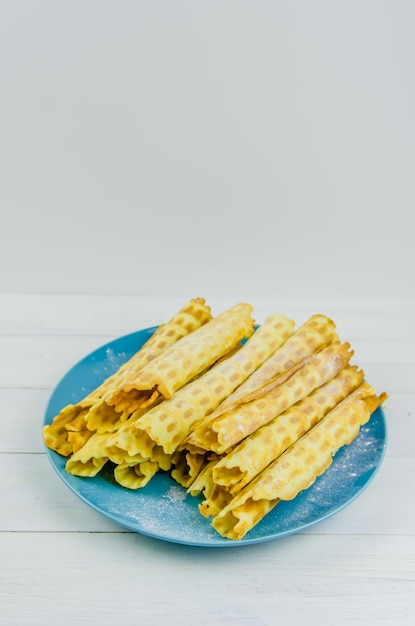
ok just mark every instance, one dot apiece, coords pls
pixel 215 496
pixel 299 466
pixel 203 482
pixel 316 333
pixel 186 466
pixel 90 458
pixel 217 499
pixel 72 417
pixel 102 415
pixel 203 425
pixel 55 435
pixel 169 423
pixel 232 427
pixel 253 454
pixel 78 438
pixel 183 361
pixel 94 454
pixel 135 476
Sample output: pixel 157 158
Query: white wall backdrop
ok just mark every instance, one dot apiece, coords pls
pixel 168 147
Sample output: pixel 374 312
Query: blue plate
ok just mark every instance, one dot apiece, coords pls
pixel 163 510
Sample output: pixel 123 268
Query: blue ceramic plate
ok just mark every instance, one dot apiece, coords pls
pixel 163 510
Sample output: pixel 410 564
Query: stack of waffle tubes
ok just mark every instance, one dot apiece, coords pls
pixel 242 416
pixel 74 425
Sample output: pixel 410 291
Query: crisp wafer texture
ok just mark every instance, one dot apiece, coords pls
pixel 102 415
pixel 185 359
pixel 55 435
pixel 90 458
pixel 231 427
pixel 253 454
pixel 95 453
pixel 190 317
pixel 218 498
pixel 316 333
pixel 186 467
pixel 170 422
pixel 203 482
pixel 203 425
pixel 135 476
pixel 299 466
pixel 78 438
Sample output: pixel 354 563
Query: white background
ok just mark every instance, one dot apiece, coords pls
pixel 218 147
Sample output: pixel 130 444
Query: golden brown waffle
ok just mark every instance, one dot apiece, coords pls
pixel 316 333
pixel 254 453
pixel 193 315
pixel 55 435
pixel 103 416
pixel 77 439
pixel 203 425
pixel 90 458
pixel 218 499
pixel 230 428
pixel 184 360
pixel 135 476
pixel 299 466
pixel 186 466
pixel 203 482
pixel 170 422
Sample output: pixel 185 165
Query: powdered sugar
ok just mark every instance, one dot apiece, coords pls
pixel 115 359
pixel 175 494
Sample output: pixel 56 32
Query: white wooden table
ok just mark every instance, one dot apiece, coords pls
pixel 62 562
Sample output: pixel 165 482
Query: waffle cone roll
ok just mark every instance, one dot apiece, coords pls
pixel 73 417
pixel 218 498
pixel 299 466
pixel 55 435
pixel 215 496
pixel 93 455
pixel 118 456
pixel 203 425
pixel 186 467
pixel 203 482
pixel 316 333
pixel 253 454
pixel 135 476
pixel 169 423
pixel 77 439
pixel 90 458
pixel 183 361
pixel 232 427
pixel 103 416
